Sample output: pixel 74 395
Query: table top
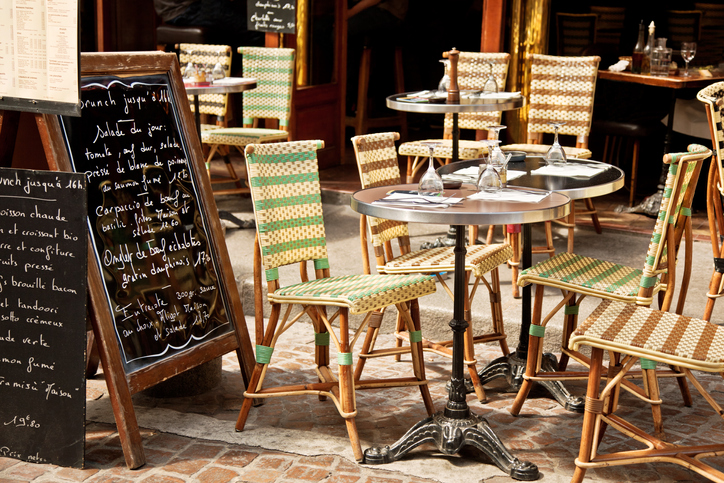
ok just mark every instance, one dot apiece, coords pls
pixel 480 104
pixel 695 80
pixel 229 86
pixel 601 184
pixel 468 212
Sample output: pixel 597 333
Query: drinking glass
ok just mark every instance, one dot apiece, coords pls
pixel 218 71
pixel 496 131
pixel 444 83
pixel 490 181
pixel 556 156
pixel 688 50
pixel 490 86
pixel 431 182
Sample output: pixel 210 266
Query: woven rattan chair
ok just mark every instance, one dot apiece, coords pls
pixel 575 32
pixel 630 334
pixel 578 277
pixel 713 99
pixel 561 89
pixel 378 166
pixel 272 99
pixel 473 71
pixel 286 195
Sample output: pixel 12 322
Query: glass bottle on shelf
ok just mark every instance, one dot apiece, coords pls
pixel 638 52
pixel 646 63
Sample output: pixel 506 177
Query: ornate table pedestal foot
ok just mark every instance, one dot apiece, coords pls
pixel 450 435
pixel 512 368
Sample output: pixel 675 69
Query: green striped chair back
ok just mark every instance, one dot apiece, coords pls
pixel 273 68
pixel 713 98
pixel 378 166
pixel 208 55
pixel 674 211
pixel 287 200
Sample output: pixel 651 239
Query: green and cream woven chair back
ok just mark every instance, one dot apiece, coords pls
pixel 378 166
pixel 273 68
pixel 208 55
pixel 713 98
pixel 285 188
pixel 473 72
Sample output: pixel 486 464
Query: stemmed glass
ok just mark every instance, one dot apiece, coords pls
pixel 490 86
pixel 688 50
pixel 444 83
pixel 556 156
pixel 431 182
pixel 218 71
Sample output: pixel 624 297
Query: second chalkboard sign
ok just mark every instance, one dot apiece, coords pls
pixel 278 16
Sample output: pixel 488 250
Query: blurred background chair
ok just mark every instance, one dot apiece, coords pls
pixel 378 166
pixel 287 204
pixel 682 26
pixel 711 43
pixel 575 32
pixel 562 89
pixel 273 68
pixel 473 71
pixel 609 24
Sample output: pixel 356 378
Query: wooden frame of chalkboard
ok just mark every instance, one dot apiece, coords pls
pixel 158 267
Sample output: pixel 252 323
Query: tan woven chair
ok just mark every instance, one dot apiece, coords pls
pixel 272 99
pixel 713 99
pixel 473 71
pixel 630 334
pixel 286 195
pixel 578 277
pixel 561 89
pixel 378 166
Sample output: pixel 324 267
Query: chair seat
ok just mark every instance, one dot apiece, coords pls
pixel 479 259
pixel 659 336
pixel 243 136
pixel 580 153
pixel 359 293
pixel 466 149
pixel 587 275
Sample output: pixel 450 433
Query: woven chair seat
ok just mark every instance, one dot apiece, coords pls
pixel 586 275
pixel 659 336
pixel 242 136
pixel 571 152
pixel 466 149
pixel 479 259
pixel 359 293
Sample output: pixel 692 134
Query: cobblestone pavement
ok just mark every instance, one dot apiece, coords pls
pixel 188 447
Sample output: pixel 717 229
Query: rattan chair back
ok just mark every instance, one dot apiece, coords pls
pixel 561 89
pixel 273 68
pixel 575 32
pixel 208 55
pixel 473 71
pixel 287 201
pixel 713 98
pixel 378 166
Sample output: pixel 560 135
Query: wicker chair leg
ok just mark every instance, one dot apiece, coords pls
pixel 368 345
pixel 513 232
pixel 590 417
pixel 346 387
pixel 651 386
pixel 469 347
pixel 496 310
pixel 412 316
pixel 590 207
pixel 411 168
pixel 535 348
pixel 570 322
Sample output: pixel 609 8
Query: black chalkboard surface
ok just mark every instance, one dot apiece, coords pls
pixel 150 237
pixel 43 255
pixel 278 16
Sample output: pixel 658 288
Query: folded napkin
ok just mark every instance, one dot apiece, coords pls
pixel 470 174
pixel 417 200
pixel 508 194
pixel 619 66
pixel 570 171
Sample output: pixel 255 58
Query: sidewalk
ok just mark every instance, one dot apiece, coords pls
pixel 192 439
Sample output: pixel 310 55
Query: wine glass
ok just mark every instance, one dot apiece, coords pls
pixel 490 181
pixel 444 83
pixel 688 50
pixel 490 86
pixel 556 156
pixel 218 71
pixel 431 182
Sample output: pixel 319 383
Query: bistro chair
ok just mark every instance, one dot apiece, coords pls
pixel 578 276
pixel 631 334
pixel 286 196
pixel 273 68
pixel 713 98
pixel 561 89
pixel 378 166
pixel 473 71
pixel 575 32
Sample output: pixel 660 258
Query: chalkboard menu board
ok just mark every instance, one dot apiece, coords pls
pixel 278 16
pixel 149 235
pixel 43 255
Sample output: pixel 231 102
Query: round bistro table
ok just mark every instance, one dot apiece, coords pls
pixel 457 426
pixel 512 367
pixel 230 86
